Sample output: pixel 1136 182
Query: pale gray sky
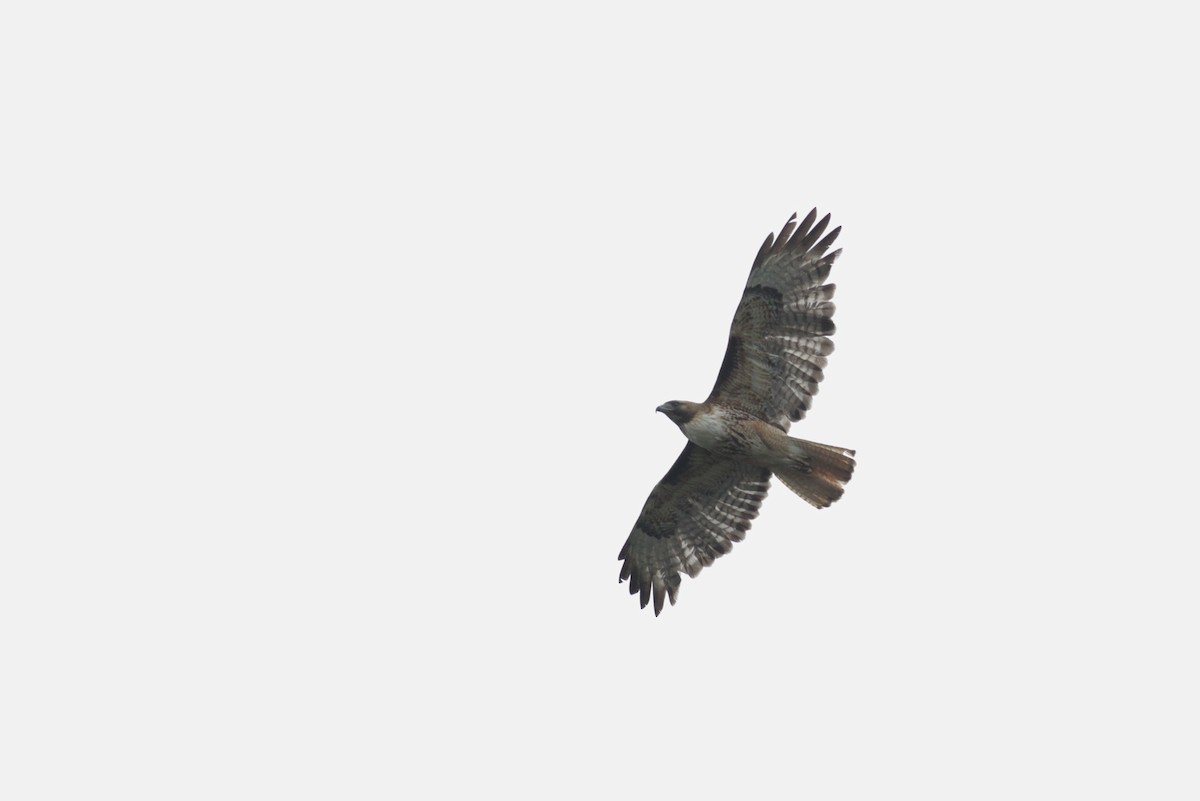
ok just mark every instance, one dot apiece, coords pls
pixel 331 338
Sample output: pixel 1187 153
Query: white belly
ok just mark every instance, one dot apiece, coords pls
pixel 737 435
pixel 734 434
pixel 710 431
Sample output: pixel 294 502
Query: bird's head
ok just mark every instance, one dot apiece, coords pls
pixel 679 412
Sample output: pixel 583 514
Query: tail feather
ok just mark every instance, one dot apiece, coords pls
pixel 824 481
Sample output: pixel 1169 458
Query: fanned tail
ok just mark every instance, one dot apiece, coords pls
pixel 824 481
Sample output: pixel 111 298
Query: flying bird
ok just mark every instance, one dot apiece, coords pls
pixel 737 438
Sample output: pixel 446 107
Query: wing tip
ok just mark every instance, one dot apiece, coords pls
pixel 799 235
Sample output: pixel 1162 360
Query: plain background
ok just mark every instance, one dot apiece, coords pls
pixel 331 337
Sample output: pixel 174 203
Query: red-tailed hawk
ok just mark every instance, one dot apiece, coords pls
pixel 737 439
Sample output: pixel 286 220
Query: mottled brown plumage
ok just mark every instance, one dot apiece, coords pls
pixel 778 348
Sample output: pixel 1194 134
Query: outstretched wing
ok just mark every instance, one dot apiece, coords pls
pixel 779 339
pixel 700 508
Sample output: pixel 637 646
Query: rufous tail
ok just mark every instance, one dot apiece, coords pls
pixel 824 481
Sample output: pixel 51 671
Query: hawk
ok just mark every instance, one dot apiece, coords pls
pixel 737 438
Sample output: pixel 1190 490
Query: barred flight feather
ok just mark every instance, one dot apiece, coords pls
pixel 779 335
pixel 684 527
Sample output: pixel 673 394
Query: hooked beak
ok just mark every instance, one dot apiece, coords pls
pixel 662 409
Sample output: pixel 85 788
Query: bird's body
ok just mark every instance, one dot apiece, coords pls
pixel 737 438
pixel 734 434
